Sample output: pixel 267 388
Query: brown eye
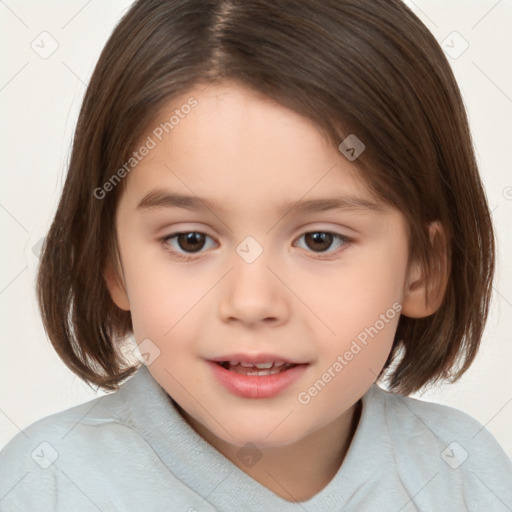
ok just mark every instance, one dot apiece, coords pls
pixel 187 243
pixel 322 242
pixel 191 242
pixel 318 240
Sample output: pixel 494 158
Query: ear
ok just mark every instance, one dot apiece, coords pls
pixel 116 287
pixel 424 293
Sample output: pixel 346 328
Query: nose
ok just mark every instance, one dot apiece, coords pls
pixel 252 294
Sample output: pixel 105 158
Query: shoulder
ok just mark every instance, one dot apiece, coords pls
pixel 51 453
pixel 103 411
pixel 441 420
pixel 433 441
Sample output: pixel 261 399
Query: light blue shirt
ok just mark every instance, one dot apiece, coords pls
pixel 132 451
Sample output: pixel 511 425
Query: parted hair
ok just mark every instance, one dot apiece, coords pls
pixel 367 67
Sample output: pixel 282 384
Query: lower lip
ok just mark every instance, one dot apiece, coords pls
pixel 256 386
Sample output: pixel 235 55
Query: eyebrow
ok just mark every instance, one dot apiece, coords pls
pixel 159 198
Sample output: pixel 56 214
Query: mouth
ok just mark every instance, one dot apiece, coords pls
pixel 262 376
pixel 260 369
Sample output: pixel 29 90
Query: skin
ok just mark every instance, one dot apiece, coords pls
pixel 298 300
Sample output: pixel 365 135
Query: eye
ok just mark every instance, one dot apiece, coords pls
pixel 185 244
pixel 188 242
pixel 320 241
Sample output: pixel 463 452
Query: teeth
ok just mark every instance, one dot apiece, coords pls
pixel 263 372
pixel 269 372
pixel 263 366
pixel 268 368
pixel 260 366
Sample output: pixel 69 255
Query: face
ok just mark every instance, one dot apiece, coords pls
pixel 277 255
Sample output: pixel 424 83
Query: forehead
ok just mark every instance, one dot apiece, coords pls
pixel 235 143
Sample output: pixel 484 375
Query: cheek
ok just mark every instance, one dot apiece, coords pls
pixel 356 296
pixel 160 295
pixel 362 310
pixel 349 363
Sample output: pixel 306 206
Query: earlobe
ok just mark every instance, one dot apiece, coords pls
pixel 424 293
pixel 116 287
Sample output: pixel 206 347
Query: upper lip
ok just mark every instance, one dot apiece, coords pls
pixel 255 358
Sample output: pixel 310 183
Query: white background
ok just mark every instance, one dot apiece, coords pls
pixel 39 102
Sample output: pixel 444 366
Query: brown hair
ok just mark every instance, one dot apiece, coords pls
pixel 368 67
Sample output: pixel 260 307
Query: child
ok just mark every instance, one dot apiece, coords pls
pixel 257 130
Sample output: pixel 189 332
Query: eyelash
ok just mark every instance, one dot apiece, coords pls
pixel 190 256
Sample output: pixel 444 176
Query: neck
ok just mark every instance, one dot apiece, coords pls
pixel 298 471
